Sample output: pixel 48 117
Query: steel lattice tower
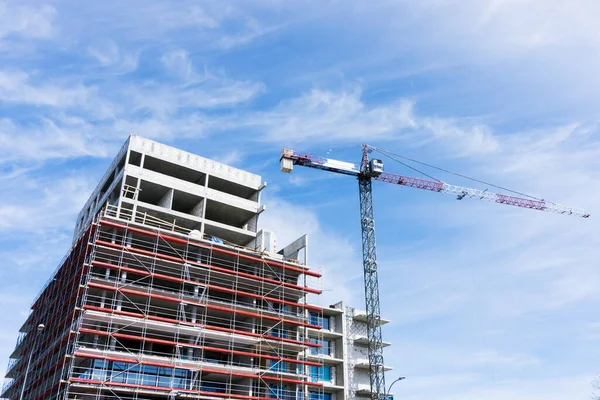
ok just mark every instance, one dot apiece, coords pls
pixel 371 288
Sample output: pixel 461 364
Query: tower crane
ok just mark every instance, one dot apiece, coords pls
pixel 366 172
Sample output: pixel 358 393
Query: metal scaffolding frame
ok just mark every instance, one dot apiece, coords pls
pixel 137 311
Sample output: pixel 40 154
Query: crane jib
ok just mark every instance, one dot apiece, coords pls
pixel 411 182
pixel 525 203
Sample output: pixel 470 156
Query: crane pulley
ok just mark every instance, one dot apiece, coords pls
pixel 366 172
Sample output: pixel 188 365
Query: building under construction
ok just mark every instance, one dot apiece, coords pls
pixel 170 292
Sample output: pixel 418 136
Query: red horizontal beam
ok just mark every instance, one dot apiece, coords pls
pixel 210 327
pixel 196 346
pixel 200 369
pixel 213 267
pixel 216 288
pixel 174 239
pixel 200 304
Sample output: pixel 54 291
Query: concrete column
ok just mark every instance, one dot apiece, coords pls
pixel 103 299
pixel 252 224
pixel 167 200
pixel 137 188
pixel 119 295
pixel 194 314
pixel 190 350
pixel 122 185
pixel 198 209
pixel 96 337
pixel 119 302
pixel 203 215
pixel 128 239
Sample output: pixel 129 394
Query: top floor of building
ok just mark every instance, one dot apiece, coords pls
pixel 153 182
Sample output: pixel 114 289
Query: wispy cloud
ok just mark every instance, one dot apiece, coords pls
pixel 323 116
pixel 64 117
pixel 31 142
pixel 26 21
pixel 110 56
pixel 18 87
pixel 179 63
pixel 35 205
pixel 231 158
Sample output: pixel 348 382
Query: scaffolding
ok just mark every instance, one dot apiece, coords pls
pixel 143 309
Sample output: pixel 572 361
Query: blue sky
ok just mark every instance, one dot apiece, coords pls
pixel 486 301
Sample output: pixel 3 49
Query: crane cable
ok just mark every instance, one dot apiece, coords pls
pixel 408 166
pixel 389 154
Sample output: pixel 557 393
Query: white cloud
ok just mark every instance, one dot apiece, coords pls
pixel 231 158
pixel 198 16
pixel 530 24
pixel 479 29
pixel 17 87
pixel 252 29
pixel 179 63
pixel 207 91
pixel 22 144
pixel 66 117
pixel 467 140
pixel 26 21
pixel 164 127
pixel 35 206
pixel 322 116
pixel 170 17
pixel 110 56
pixel 107 53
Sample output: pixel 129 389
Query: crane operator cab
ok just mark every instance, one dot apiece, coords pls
pixel 375 167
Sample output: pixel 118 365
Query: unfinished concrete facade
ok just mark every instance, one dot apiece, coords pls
pixel 343 352
pixel 169 292
pixel 163 184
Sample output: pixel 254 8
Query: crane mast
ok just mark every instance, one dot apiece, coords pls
pixel 369 251
pixel 368 171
